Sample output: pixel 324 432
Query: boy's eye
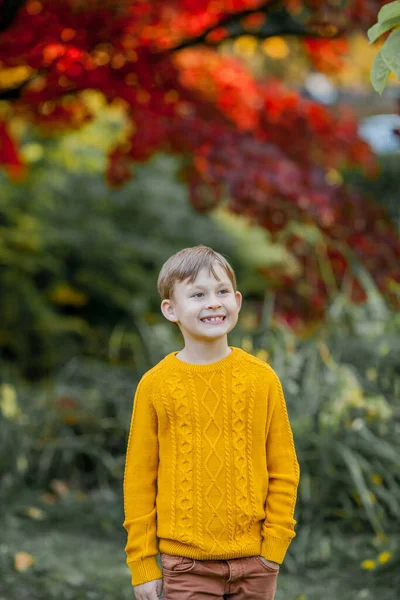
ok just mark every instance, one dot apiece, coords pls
pixel 201 293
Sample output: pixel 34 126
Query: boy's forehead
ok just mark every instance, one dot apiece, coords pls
pixel 204 275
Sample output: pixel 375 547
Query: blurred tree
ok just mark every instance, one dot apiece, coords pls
pixel 80 261
pixel 274 155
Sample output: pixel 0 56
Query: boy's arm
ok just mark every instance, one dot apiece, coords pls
pixel 284 475
pixel 140 488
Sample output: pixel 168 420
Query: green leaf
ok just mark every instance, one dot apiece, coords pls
pixel 379 73
pixel 390 11
pixel 391 52
pixel 350 459
pixel 381 448
pixel 380 28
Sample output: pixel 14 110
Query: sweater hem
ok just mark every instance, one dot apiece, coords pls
pixel 178 549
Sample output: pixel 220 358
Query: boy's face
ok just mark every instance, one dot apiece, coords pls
pixel 193 302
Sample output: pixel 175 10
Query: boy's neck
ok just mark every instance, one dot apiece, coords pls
pixel 203 354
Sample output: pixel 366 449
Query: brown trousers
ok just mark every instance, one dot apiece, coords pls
pixel 247 578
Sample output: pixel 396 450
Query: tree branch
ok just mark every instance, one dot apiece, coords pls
pixel 278 22
pixel 228 23
pixel 9 12
pixel 15 93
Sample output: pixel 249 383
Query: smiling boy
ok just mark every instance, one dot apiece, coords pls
pixel 211 468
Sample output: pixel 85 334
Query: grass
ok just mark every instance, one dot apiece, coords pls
pixel 77 558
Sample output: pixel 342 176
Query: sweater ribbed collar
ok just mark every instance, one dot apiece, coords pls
pixel 233 357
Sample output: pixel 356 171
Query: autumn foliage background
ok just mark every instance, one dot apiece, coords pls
pixel 128 130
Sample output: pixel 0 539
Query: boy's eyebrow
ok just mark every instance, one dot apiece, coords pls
pixel 203 287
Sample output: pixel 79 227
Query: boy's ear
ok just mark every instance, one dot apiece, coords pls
pixel 168 310
pixel 239 299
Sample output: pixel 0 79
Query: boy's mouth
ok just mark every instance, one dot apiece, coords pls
pixel 213 320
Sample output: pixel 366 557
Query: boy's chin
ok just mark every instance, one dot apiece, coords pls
pixel 207 333
pixel 211 335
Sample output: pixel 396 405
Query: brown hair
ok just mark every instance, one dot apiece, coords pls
pixel 186 264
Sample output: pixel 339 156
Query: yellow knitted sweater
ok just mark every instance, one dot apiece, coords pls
pixel 211 468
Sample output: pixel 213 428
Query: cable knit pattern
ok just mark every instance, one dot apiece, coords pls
pixel 184 460
pixel 215 494
pixel 199 480
pixel 240 455
pixel 211 469
pixel 252 498
pixel 229 474
pixel 173 452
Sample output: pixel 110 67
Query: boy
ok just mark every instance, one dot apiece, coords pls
pixel 211 468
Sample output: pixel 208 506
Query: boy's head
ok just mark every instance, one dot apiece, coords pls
pixel 197 283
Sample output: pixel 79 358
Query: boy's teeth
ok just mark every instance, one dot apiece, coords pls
pixel 213 319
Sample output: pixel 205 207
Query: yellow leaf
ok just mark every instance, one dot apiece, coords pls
pixel 23 561
pixel 384 557
pixel 333 177
pixel 275 47
pixel 368 564
pixel 32 152
pixel 63 293
pixel 246 45
pixel 14 76
pixel 35 513
pixel 8 401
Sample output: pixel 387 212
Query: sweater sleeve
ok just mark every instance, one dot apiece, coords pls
pixel 284 475
pixel 140 488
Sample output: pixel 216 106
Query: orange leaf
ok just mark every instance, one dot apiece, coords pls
pixel 23 561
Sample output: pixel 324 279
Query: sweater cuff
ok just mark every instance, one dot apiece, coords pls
pixel 144 570
pixel 274 548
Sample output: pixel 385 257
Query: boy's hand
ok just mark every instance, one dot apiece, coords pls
pixel 151 590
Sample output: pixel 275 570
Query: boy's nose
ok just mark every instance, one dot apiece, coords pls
pixel 214 305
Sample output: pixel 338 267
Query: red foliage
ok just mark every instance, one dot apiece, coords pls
pixel 119 168
pixel 270 149
pixel 9 155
